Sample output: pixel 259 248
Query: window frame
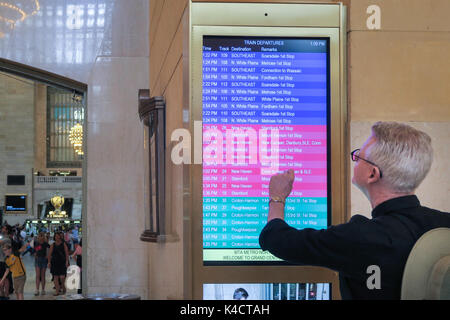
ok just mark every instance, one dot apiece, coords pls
pixel 65 122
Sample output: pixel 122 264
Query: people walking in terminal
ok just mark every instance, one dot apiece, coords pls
pixel 389 167
pixel 58 258
pixel 40 262
pixel 30 245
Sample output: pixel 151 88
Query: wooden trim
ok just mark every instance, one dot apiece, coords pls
pixel 148 104
pixel 43 76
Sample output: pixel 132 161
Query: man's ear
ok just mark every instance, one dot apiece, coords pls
pixel 374 175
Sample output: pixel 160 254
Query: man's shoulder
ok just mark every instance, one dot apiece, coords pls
pixel 363 228
pixel 359 218
pixel 357 227
pixel 436 217
pixel 435 211
pixel 356 222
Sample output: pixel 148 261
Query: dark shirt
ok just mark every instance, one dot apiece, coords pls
pixel 41 249
pixel 350 248
pixel 58 254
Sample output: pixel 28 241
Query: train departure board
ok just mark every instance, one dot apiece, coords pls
pixel 266 103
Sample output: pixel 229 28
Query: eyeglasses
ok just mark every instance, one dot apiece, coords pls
pixel 356 157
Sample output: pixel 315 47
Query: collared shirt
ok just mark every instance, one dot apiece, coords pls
pixel 350 248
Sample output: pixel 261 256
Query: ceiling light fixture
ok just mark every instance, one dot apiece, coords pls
pixel 10 13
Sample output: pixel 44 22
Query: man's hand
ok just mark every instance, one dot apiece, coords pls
pixel 281 184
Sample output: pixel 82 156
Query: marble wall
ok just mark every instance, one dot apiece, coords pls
pixel 115 217
pixel 16 139
pixel 117 261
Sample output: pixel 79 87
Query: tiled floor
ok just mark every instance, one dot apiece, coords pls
pixel 30 285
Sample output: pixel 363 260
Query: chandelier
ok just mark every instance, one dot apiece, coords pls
pixel 12 12
pixel 76 138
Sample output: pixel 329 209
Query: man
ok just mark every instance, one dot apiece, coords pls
pixel 389 167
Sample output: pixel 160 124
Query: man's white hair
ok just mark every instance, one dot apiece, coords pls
pixel 403 154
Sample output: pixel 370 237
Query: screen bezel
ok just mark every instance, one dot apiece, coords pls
pixel 304 33
pixel 16 211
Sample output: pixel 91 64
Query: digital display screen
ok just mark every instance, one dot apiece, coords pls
pixel 15 180
pixel 267 291
pixel 265 110
pixel 15 203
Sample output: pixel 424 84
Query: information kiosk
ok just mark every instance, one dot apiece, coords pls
pixel 267 81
